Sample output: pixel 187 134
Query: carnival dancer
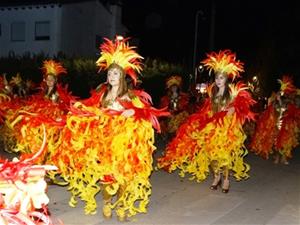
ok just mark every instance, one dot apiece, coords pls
pixel 48 108
pixel 51 71
pixel 177 102
pixel 108 140
pixel 5 97
pixel 19 86
pixel 277 128
pixel 8 103
pixel 6 88
pixel 213 136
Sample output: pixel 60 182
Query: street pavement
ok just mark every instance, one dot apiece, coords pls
pixel 270 196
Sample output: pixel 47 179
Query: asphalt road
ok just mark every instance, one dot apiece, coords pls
pixel 270 196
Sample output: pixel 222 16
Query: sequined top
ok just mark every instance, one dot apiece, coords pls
pixel 280 109
pixel 54 97
pixel 115 104
pixel 174 103
pixel 219 104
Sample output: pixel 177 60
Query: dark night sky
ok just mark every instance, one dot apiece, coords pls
pixel 259 32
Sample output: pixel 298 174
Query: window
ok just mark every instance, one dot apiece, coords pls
pixel 18 31
pixel 42 30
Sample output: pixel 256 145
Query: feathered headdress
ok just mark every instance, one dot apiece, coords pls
pixel 174 80
pixel 224 62
pixel 119 52
pixel 286 85
pixel 50 67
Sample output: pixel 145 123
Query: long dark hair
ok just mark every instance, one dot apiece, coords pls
pixel 123 88
pixel 169 91
pixel 225 98
pixel 53 91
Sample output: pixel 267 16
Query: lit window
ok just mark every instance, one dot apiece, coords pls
pixel 18 31
pixel 42 30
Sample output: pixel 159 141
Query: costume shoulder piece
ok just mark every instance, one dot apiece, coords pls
pixel 241 101
pixel 141 103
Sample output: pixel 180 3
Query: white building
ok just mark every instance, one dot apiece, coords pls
pixel 75 28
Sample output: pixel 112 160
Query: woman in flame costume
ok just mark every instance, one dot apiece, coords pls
pixel 25 122
pixel 177 102
pixel 5 97
pixel 51 71
pixel 5 87
pixel 277 129
pixel 8 104
pixel 108 140
pixel 19 86
pixel 214 134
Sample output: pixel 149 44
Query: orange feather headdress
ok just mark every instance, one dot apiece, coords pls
pixel 50 67
pixel 286 85
pixel 119 52
pixel 174 80
pixel 224 62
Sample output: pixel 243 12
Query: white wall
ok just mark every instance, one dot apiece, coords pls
pixel 77 28
pixel 116 27
pixel 82 21
pixel 109 22
pixel 30 15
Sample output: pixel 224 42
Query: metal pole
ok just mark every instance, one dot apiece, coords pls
pixel 212 26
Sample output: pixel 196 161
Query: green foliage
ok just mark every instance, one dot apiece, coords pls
pixel 154 67
pixel 154 77
pixel 83 74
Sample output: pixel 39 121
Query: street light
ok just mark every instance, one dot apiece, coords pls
pixel 212 25
pixel 119 38
pixel 211 30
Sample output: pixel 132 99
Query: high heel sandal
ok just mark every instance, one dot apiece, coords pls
pixel 121 214
pixel 284 161
pixel 216 182
pixel 225 186
pixel 106 210
pixel 276 159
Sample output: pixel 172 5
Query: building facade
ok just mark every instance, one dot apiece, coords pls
pixel 75 28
